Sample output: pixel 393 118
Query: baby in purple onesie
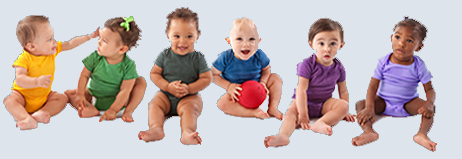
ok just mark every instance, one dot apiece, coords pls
pixel 393 87
pixel 318 76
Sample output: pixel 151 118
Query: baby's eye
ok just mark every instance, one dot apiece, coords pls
pixel 104 41
pixel 397 37
pixel 409 41
pixel 321 43
pixel 252 39
pixel 50 39
pixel 189 36
pixel 239 39
pixel 176 36
pixel 333 43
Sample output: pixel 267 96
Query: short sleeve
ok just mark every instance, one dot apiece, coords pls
pixel 220 62
pixel 90 61
pixel 304 69
pixel 59 48
pixel 160 59
pixel 342 74
pixel 423 73
pixel 378 72
pixel 130 71
pixel 202 64
pixel 22 61
pixel 264 60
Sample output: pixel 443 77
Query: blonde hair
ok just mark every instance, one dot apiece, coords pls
pixel 27 28
pixel 244 22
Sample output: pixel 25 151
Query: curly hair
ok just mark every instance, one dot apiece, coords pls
pixel 186 15
pixel 130 37
pixel 416 25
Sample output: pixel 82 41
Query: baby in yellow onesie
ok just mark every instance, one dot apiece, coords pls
pixel 32 100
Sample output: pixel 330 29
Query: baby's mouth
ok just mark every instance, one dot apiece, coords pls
pixel 245 52
pixel 399 51
pixel 326 56
pixel 182 48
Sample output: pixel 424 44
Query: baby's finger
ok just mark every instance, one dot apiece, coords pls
pixel 239 88
pixel 236 98
pixel 102 118
pixel 237 93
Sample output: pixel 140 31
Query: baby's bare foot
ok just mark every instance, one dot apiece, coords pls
pixel 321 127
pixel 152 134
pixel 365 138
pixel 41 116
pixel 260 114
pixel 274 112
pixel 190 138
pixel 127 117
pixel 422 139
pixel 26 124
pixel 276 141
pixel 88 112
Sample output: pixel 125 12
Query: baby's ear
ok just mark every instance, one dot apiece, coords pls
pixel 311 45
pixel 341 45
pixel 30 47
pixel 228 40
pixel 420 47
pixel 123 49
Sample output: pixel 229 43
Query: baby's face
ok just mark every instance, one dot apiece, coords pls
pixel 109 43
pixel 43 43
pixel 405 41
pixel 244 41
pixel 183 35
pixel 326 44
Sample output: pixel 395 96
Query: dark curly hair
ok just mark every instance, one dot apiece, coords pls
pixel 185 14
pixel 130 37
pixel 416 25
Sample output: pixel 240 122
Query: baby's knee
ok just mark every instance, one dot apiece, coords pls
pixel 70 92
pixel 276 78
pixel 360 105
pixel 342 105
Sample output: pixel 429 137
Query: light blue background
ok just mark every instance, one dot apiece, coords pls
pixel 283 27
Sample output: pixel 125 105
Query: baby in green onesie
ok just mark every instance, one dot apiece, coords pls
pixel 114 82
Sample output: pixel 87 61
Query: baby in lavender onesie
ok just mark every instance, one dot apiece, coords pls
pixel 393 87
pixel 318 76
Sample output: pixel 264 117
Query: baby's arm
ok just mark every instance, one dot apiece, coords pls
pixel 68 45
pixel 265 73
pixel 231 88
pixel 427 109
pixel 343 93
pixel 300 102
pixel 25 81
pixel 172 87
pixel 203 81
pixel 121 98
pixel 368 113
pixel 83 80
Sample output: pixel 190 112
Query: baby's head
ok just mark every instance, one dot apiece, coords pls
pixel 408 37
pixel 36 35
pixel 326 37
pixel 115 39
pixel 244 38
pixel 182 30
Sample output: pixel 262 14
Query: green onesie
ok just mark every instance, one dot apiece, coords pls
pixel 105 79
pixel 186 68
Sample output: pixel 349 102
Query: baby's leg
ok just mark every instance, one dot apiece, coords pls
pixel 15 103
pixel 287 128
pixel 136 96
pixel 55 104
pixel 333 111
pixel 158 108
pixel 421 137
pixel 236 109
pixel 274 87
pixel 369 135
pixel 89 110
pixel 189 109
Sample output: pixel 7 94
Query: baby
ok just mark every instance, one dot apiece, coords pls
pixel 242 63
pixel 114 83
pixel 32 100
pixel 398 75
pixel 318 76
pixel 180 72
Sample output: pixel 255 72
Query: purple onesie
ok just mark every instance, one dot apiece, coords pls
pixel 322 82
pixel 398 83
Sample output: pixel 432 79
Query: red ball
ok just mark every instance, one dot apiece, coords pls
pixel 253 94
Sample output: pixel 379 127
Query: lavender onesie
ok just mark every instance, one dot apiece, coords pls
pixel 322 82
pixel 398 83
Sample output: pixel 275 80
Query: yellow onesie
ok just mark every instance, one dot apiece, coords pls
pixel 36 66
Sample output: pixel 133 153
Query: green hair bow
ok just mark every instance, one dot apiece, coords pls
pixel 126 24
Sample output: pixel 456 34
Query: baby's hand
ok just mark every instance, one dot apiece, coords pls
pixel 95 34
pixel 80 102
pixel 109 115
pixel 365 115
pixel 304 121
pixel 43 81
pixel 350 118
pixel 266 88
pixel 175 89
pixel 185 88
pixel 426 110
pixel 233 91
